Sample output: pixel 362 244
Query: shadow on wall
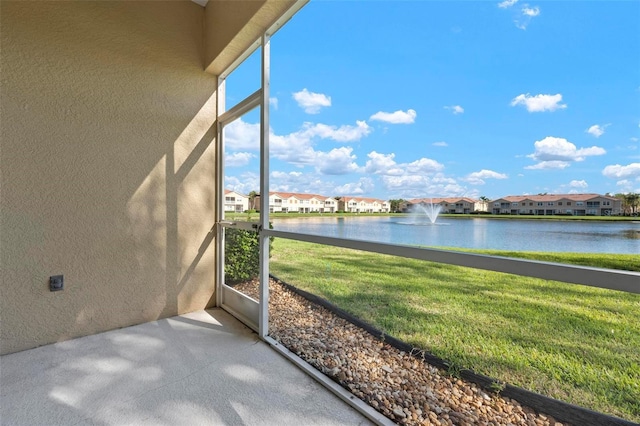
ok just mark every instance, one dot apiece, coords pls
pixel 108 167
pixel 164 215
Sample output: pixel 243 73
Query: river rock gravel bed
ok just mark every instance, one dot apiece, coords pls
pixel 405 389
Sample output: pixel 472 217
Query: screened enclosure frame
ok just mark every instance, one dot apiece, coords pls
pixel 255 314
pixel 252 313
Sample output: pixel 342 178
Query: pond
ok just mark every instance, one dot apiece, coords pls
pixel 483 233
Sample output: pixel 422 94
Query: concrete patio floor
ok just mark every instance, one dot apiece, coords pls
pixel 203 368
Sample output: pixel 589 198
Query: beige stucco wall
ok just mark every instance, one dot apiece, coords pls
pixel 107 166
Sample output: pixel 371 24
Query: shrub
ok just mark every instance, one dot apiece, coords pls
pixel 242 255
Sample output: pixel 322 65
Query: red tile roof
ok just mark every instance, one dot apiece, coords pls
pixel 449 200
pixel 299 196
pixel 361 199
pixel 553 197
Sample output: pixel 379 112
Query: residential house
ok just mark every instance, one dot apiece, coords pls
pixel 292 202
pixel 235 202
pixel 450 205
pixel 330 205
pixel 362 205
pixel 557 204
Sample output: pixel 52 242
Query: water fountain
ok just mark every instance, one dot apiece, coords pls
pixel 430 210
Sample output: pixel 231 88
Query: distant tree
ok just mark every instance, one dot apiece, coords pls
pixel 633 200
pixel 395 204
pixel 624 206
pixel 630 203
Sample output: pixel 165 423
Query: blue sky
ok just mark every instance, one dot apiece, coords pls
pixel 411 99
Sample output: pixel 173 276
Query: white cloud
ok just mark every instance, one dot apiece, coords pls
pixel 237 159
pixel 539 103
pixel 559 153
pixel 478 178
pixel 549 165
pixel 363 186
pixel 626 186
pixel 507 3
pixel 413 186
pixel 581 184
pixel 560 149
pixel 622 172
pixel 597 130
pixel 295 148
pixel 382 164
pixel 273 102
pixel 422 177
pixel 283 175
pixel 525 15
pixel 397 117
pixel 297 181
pixel 441 143
pixel 311 102
pixel 242 136
pixel 456 109
pixel 345 133
pixel 298 147
pixel 242 184
pixel 338 161
pixel 424 166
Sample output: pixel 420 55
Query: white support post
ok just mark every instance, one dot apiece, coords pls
pixel 219 188
pixel 264 190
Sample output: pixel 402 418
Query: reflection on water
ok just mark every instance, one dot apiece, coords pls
pixel 423 223
pixel 521 235
pixel 632 234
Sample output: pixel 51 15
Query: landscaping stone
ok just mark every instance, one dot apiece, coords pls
pixel 398 385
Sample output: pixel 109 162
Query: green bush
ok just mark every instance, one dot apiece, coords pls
pixel 242 255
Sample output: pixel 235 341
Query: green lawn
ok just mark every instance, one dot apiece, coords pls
pixel 575 343
pixel 628 262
